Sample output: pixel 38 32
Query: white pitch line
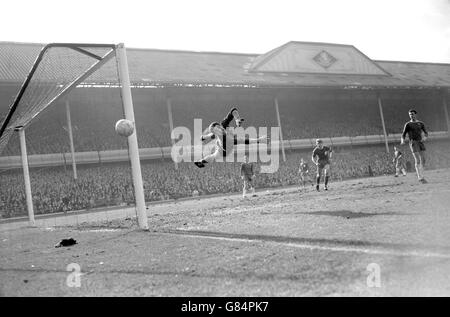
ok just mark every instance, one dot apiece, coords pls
pixel 329 248
pixel 372 251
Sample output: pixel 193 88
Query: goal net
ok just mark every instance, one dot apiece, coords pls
pixel 57 70
pixel 61 121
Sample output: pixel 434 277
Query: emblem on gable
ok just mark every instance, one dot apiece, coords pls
pixel 324 59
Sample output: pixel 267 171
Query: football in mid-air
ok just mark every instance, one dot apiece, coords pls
pixel 124 127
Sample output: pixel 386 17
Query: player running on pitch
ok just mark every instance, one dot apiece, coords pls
pixel 399 162
pixel 414 129
pixel 323 155
pixel 247 175
pixel 304 172
pixel 225 139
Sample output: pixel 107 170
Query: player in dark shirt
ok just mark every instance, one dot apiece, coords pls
pixel 414 129
pixel 304 172
pixel 247 175
pixel 323 155
pixel 399 162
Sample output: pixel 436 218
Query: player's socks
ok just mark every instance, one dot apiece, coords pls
pixel 418 172
pixel 422 178
pixel 317 187
pixel 326 180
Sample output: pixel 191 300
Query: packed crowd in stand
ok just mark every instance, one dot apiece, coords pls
pixel 94 113
pixel 55 190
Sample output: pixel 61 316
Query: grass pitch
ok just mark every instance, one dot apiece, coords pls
pixel 284 242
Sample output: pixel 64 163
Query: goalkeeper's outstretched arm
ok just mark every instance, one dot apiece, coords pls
pixel 247 140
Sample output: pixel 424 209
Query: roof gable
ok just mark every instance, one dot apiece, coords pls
pixel 317 58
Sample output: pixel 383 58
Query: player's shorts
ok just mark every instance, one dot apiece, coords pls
pixel 247 178
pixel 323 164
pixel 400 164
pixel 416 146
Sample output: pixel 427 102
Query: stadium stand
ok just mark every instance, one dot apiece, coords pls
pixel 205 85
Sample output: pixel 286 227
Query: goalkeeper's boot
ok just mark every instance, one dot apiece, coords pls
pixel 200 164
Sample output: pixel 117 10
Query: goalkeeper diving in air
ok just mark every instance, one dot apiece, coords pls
pixel 225 138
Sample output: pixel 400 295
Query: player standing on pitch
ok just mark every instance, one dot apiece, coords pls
pixel 323 154
pixel 225 139
pixel 399 162
pixel 247 175
pixel 414 129
pixel 304 172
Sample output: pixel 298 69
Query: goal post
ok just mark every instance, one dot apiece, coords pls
pixel 133 148
pixel 26 176
pixel 57 70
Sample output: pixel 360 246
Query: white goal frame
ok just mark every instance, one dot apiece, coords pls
pixel 119 52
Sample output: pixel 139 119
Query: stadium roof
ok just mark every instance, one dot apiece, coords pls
pixel 295 64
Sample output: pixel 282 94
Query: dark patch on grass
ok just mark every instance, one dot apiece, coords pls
pixel 348 214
